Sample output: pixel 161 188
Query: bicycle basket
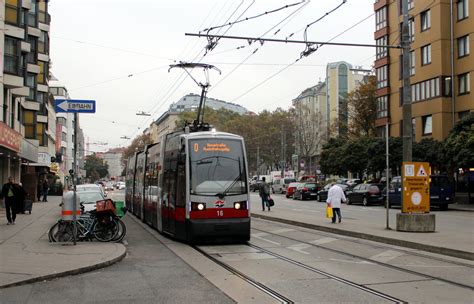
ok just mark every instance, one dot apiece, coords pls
pixel 105 206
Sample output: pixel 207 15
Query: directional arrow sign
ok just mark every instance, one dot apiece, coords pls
pixel 75 106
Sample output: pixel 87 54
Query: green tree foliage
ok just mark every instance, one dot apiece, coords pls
pixel 459 145
pixel 332 157
pixel 137 144
pixel 429 150
pixel 95 167
pixel 362 106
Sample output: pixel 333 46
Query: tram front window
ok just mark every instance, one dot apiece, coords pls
pixel 217 167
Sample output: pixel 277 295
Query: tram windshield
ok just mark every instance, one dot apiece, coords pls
pixel 217 167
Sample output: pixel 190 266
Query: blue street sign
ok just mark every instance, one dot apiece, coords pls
pixel 75 106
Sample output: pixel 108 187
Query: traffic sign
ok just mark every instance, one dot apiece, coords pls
pixel 75 106
pixel 416 187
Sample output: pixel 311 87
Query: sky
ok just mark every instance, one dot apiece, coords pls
pixel 118 52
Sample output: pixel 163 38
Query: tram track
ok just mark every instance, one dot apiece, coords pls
pixel 271 292
pixel 398 268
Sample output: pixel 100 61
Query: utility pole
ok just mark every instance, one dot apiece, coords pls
pixel 407 124
pixel 283 146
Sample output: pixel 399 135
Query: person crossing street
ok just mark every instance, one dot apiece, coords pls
pixel 335 197
pixel 264 192
pixel 10 195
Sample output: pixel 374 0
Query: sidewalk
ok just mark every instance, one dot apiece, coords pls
pixel 27 256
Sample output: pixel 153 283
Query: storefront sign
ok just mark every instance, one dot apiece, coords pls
pixel 9 138
pixel 44 159
pixel 416 187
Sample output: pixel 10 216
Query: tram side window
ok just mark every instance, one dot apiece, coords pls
pixel 181 186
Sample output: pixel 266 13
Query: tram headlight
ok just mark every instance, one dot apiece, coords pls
pixel 240 205
pixel 198 206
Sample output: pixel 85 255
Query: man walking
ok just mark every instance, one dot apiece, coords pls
pixel 264 192
pixel 335 197
pixel 9 195
pixel 45 190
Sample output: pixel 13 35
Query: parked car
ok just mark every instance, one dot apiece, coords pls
pixel 322 195
pixel 109 186
pixel 91 187
pixel 280 185
pixel 353 182
pixel 89 198
pixel 342 181
pixel 365 194
pixel 306 191
pixel 441 191
pixel 291 189
pixel 120 185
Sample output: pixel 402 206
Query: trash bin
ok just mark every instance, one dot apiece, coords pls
pixel 119 208
pixel 67 206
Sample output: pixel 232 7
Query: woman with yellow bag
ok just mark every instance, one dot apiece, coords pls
pixel 335 197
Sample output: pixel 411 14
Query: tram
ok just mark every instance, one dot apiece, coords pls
pixel 192 185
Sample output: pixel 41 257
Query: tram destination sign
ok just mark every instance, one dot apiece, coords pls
pixel 75 106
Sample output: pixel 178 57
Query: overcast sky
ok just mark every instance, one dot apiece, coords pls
pixel 118 52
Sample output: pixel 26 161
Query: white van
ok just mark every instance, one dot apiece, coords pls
pixel 280 185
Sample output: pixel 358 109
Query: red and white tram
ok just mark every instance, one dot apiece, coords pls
pixel 192 186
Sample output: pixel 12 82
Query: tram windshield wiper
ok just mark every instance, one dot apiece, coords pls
pixel 238 178
pixel 204 162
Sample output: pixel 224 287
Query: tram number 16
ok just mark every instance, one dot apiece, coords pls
pixel 220 212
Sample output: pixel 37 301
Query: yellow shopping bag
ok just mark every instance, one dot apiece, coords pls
pixel 329 213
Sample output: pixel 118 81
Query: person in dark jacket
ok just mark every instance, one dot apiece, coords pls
pixel 45 190
pixel 264 192
pixel 21 197
pixel 10 195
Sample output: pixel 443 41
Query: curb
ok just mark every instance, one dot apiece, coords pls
pixel 69 272
pixel 381 239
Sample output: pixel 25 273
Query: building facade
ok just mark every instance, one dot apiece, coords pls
pixel 113 158
pixel 440 95
pixel 27 135
pixel 190 102
pixel 341 78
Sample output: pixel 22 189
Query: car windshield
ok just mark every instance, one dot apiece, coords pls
pixel 311 186
pixel 289 180
pixel 88 197
pixel 217 166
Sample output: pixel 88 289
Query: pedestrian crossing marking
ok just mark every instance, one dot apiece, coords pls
pixel 259 236
pixel 386 256
pixel 299 247
pixel 323 241
pixel 283 230
pixel 421 171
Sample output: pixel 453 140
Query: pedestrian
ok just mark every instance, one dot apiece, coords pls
pixel 45 190
pixel 21 196
pixel 335 197
pixel 9 196
pixel 264 192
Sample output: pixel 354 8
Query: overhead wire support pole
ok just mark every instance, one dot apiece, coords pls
pixel 261 40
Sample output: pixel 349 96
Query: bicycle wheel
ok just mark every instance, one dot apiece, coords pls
pixel 122 231
pixel 52 233
pixel 62 231
pixel 105 232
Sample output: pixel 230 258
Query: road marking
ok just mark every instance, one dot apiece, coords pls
pixel 259 236
pixel 323 241
pixel 299 247
pixel 386 256
pixel 283 230
pixel 306 210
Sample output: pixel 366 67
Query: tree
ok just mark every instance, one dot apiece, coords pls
pixel 95 167
pixel 355 156
pixel 429 150
pixel 332 157
pixel 137 144
pixel 459 145
pixel 362 109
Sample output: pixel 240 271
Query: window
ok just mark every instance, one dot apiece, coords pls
pixel 41 134
pixel 381 18
pixel 464 85
pixel 425 90
pixel 447 86
pixel 382 106
pixel 32 14
pixel 425 18
pixel 42 14
pixel 30 81
pixel 31 57
pixel 463 46
pixel 12 11
pixel 410 4
pixel 12 60
pixel 426 54
pixel 43 74
pixel 43 42
pixel 427 125
pixel 463 9
pixel 29 121
pixel 412 63
pixel 411 29
pixel 381 51
pixel 382 76
pixel 63 136
pixel 61 121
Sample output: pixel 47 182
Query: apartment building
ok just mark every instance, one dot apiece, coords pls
pixel 27 134
pixel 341 78
pixel 440 95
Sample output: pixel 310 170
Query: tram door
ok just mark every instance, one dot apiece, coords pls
pixel 169 185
